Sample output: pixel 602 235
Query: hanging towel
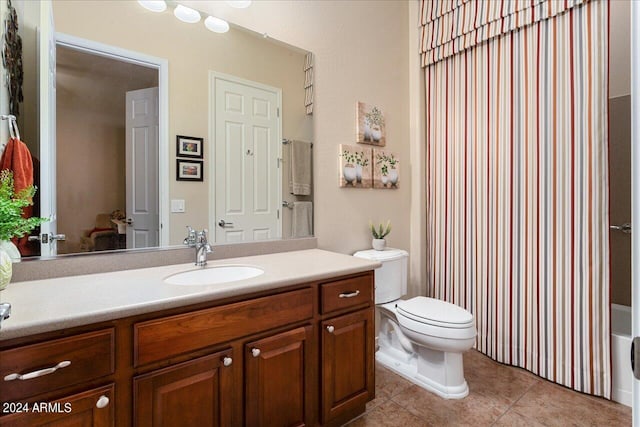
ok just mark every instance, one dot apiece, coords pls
pixel 300 178
pixel 302 224
pixel 17 158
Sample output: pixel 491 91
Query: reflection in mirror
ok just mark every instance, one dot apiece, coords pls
pixel 123 180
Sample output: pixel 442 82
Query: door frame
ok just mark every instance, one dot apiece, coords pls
pixel 162 65
pixel 635 194
pixel 213 76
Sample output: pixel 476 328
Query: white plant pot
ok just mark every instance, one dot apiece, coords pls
pixel 367 131
pixel 393 176
pixel 359 173
pixel 376 133
pixel 11 250
pixel 379 244
pixel 6 270
pixel 349 173
pixel 384 180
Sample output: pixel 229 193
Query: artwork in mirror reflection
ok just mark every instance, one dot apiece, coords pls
pixel 108 156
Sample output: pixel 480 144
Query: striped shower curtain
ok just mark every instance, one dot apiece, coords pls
pixel 517 194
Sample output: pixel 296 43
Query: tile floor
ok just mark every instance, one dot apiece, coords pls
pixel 499 395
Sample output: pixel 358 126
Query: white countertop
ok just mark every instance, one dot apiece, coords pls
pixel 53 304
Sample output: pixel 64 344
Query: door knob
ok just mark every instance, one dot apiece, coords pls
pixel 227 361
pixel 330 329
pixel 128 221
pixel 255 352
pixel 625 228
pixel 224 223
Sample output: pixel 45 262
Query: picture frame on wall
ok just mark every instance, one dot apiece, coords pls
pixel 370 123
pixel 386 169
pixel 189 170
pixel 354 166
pixel 189 146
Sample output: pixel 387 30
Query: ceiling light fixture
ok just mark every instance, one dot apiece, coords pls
pixel 153 5
pixel 186 14
pixel 239 4
pixel 216 25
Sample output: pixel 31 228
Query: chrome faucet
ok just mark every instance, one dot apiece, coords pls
pixel 198 240
pixel 5 311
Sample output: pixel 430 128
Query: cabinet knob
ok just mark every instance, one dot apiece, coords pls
pixel 330 329
pixel 227 361
pixel 255 352
pixel 102 402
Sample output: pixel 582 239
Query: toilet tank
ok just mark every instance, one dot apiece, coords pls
pixel 391 278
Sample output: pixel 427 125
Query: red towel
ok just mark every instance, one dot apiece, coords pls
pixel 17 158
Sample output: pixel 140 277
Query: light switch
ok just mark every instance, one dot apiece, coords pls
pixel 177 206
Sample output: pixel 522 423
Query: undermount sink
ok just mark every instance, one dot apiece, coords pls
pixel 214 275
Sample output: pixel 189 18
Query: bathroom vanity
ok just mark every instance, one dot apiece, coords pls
pixel 294 346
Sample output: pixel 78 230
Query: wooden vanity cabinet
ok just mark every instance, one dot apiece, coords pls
pixel 298 356
pixel 199 392
pixel 347 345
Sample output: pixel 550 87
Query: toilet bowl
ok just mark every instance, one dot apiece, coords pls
pixel 422 339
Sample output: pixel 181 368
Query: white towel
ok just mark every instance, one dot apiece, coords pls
pixel 300 177
pixel 302 223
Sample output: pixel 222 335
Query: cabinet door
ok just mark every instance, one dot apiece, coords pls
pixel 347 363
pixel 195 393
pixel 276 379
pixel 89 408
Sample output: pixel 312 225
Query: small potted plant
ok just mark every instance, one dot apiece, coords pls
pixel 379 233
pixel 375 120
pixel 349 169
pixel 12 224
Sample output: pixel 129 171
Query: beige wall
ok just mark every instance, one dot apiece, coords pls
pixel 90 109
pixel 361 54
pixel 620 48
pixel 192 51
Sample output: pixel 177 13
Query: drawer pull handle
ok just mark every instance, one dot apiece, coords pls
pixel 330 329
pixel 102 402
pixel 350 294
pixel 255 352
pixel 227 361
pixel 39 373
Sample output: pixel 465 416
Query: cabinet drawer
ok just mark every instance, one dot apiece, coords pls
pixel 160 339
pixel 91 356
pixel 346 293
pixel 92 407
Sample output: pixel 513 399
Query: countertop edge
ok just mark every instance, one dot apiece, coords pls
pixel 39 327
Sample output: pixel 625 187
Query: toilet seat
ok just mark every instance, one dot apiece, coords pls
pixel 417 315
pixel 435 312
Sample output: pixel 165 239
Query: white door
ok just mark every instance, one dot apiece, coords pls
pixel 246 169
pixel 143 223
pixel 47 123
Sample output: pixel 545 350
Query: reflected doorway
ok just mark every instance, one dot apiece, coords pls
pixel 106 152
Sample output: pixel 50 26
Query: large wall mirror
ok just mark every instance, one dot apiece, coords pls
pixel 156 124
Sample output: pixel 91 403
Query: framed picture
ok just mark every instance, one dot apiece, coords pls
pixel 188 146
pixel 189 170
pixel 386 169
pixel 354 166
pixel 370 125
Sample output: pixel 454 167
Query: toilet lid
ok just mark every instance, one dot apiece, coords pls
pixel 435 312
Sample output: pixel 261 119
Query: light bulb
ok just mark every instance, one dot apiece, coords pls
pixel 153 5
pixel 239 4
pixel 186 14
pixel 216 25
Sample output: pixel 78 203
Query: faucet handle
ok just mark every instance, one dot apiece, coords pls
pixel 190 240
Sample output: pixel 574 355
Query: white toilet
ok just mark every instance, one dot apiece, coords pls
pixel 421 339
